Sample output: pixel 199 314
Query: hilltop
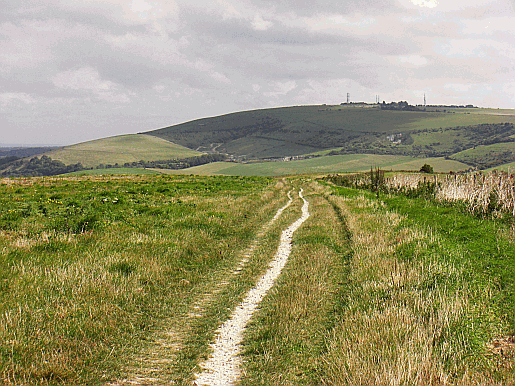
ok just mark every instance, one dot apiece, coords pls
pixel 350 129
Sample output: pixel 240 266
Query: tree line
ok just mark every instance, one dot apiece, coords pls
pixel 46 166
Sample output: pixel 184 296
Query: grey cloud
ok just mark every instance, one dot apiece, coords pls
pixel 307 8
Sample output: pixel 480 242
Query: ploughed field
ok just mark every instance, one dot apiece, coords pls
pixel 125 279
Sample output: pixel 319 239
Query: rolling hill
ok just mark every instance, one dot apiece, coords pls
pixel 291 131
pixel 121 149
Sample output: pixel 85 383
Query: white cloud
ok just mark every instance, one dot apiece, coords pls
pixel 425 3
pixel 261 25
pixel 414 60
pixel 85 78
pixel 357 23
pixel 280 88
pixel 488 26
pixel 458 87
pixel 228 10
pixel 88 79
pixel 8 98
pixel 220 77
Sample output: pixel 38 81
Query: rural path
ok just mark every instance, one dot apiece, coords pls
pixel 223 367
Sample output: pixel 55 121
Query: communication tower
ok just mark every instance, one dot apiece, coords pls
pixel 424 99
pixel 348 97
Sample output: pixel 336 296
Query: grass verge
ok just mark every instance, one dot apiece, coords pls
pixel 429 297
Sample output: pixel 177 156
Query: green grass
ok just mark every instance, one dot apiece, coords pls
pixel 104 278
pixel 431 295
pixel 486 156
pixel 509 167
pixel 481 245
pixel 92 267
pixel 326 164
pixel 120 149
pixel 113 172
pixel 287 338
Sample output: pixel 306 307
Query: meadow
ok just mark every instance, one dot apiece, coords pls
pixel 92 266
pixel 487 156
pixel 116 280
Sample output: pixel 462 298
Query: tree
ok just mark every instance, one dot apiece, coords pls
pixel 426 168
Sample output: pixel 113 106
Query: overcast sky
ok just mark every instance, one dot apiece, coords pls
pixel 76 70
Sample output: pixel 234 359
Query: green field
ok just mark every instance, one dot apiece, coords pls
pixel 509 167
pixel 486 156
pixel 113 172
pixel 120 149
pixel 326 164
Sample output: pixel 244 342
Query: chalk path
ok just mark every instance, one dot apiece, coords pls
pixel 223 367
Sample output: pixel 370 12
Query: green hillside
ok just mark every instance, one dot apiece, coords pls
pixel 327 164
pixel 489 156
pixel 298 130
pixel 121 149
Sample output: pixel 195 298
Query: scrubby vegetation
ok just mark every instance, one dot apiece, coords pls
pixel 44 166
pixel 430 299
pixel 480 193
pixel 111 278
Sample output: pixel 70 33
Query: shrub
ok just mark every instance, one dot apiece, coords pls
pixel 426 168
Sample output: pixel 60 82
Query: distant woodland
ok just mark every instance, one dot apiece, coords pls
pixel 46 166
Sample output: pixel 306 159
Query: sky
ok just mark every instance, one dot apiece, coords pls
pixel 77 70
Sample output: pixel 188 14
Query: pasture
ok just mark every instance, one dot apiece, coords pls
pixel 325 164
pixel 119 150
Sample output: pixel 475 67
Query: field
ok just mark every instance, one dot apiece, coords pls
pixel 326 164
pixel 486 156
pixel 113 172
pixel 120 149
pixel 509 167
pixel 480 138
pixel 117 280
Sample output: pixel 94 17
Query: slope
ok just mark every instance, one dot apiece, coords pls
pixel 121 149
pixel 297 130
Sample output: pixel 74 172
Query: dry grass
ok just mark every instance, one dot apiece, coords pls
pixel 494 191
pixel 406 321
pixel 84 308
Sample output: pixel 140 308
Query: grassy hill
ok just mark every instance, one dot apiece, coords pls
pixel 121 149
pixel 298 130
pixel 488 156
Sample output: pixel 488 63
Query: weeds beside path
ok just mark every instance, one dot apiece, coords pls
pixel 124 280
